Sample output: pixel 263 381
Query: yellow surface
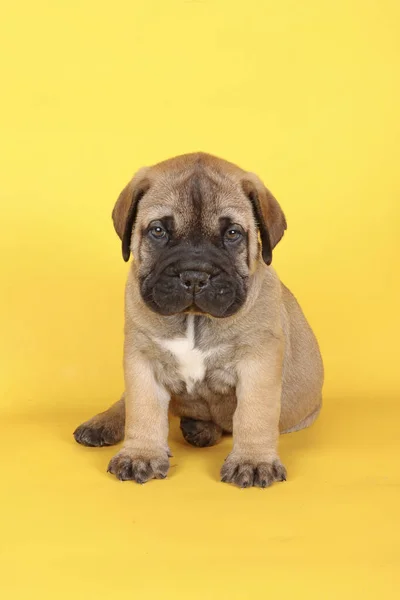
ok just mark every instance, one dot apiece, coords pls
pixel 306 94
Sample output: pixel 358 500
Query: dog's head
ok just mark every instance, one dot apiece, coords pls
pixel 196 226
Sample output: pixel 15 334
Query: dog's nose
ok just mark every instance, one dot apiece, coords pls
pixel 194 281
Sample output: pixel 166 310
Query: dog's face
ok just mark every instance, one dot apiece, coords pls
pixel 196 226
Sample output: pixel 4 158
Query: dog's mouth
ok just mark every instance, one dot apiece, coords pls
pixel 194 310
pixel 195 292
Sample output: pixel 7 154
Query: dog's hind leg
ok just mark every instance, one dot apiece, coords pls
pixel 306 422
pixel 200 433
pixel 104 429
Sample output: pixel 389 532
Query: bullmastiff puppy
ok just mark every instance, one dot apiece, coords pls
pixel 210 331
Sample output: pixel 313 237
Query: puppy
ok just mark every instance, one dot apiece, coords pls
pixel 210 331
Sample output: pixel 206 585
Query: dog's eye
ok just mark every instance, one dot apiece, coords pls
pixel 157 232
pixel 233 234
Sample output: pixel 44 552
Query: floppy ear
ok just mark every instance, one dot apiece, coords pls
pixel 125 209
pixel 268 214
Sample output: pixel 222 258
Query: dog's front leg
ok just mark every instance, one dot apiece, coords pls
pixel 145 453
pixel 254 458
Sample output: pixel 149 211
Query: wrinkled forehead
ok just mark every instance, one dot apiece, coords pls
pixel 195 201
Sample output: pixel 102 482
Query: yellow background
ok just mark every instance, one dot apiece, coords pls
pixel 307 95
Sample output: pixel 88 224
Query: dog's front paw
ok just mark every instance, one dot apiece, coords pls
pixel 246 472
pixel 139 466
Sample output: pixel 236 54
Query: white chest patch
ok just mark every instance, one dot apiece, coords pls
pixel 190 359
